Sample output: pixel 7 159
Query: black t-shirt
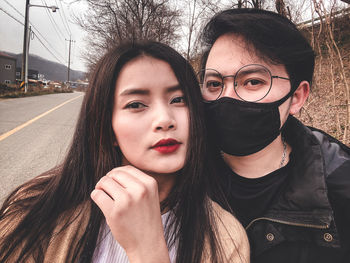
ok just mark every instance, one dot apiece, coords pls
pixel 250 198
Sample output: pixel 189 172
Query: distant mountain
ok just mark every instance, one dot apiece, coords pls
pixel 51 70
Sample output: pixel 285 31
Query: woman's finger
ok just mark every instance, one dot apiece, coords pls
pixel 132 178
pixel 110 186
pixel 102 200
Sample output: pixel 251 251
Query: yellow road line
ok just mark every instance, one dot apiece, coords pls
pixel 20 127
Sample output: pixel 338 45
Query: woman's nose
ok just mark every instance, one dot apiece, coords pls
pixel 165 127
pixel 164 119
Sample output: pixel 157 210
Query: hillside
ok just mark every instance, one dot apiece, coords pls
pixel 51 70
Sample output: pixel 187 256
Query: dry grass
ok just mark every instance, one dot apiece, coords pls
pixel 13 91
pixel 326 109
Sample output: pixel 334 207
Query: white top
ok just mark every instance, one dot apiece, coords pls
pixel 108 249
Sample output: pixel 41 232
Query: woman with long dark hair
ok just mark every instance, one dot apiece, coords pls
pixel 139 151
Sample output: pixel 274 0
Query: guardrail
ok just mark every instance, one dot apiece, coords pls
pixel 316 21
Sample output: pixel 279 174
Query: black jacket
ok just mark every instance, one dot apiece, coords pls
pixel 309 221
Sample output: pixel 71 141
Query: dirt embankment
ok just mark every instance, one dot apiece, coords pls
pixel 328 107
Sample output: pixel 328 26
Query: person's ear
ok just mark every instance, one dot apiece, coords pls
pixel 115 143
pixel 299 97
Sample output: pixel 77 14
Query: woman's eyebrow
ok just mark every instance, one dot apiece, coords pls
pixel 173 88
pixel 134 91
pixel 138 91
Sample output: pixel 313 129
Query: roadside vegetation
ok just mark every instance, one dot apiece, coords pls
pixel 14 90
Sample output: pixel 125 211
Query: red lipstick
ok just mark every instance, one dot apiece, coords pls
pixel 166 146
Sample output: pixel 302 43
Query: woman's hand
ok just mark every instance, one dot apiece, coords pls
pixel 129 201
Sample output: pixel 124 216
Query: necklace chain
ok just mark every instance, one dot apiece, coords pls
pixel 284 152
pixel 284 155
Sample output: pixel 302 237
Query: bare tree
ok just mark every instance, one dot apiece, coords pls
pixel 282 9
pixel 338 78
pixel 191 25
pixel 248 3
pixel 109 22
pixel 194 15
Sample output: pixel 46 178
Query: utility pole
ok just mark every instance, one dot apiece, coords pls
pixel 26 61
pixel 70 44
pixel 25 46
pixel 24 70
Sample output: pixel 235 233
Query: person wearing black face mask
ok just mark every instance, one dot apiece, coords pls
pixel 288 184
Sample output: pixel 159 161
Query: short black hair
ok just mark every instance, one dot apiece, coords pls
pixel 273 37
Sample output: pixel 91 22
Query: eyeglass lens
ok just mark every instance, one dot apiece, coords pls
pixel 252 83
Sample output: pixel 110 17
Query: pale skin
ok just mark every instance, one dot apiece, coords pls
pixel 129 200
pixel 227 55
pixel 147 109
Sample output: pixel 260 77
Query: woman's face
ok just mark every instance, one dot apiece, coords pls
pixel 150 117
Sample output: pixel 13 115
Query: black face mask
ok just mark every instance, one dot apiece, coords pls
pixel 242 128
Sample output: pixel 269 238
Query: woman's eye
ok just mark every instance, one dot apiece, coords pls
pixel 135 105
pixel 180 99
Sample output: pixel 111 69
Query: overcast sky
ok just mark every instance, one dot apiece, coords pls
pixel 53 29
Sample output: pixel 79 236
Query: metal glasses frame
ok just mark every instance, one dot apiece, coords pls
pixel 235 84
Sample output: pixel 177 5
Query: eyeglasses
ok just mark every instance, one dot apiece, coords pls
pixel 251 83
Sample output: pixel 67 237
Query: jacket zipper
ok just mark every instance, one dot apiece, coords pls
pixel 287 223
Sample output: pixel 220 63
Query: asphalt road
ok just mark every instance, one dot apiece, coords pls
pixel 48 124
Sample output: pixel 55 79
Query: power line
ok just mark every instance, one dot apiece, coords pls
pixel 65 22
pixel 34 34
pixel 64 14
pixel 48 49
pixel 38 31
pixel 11 16
pixel 14 8
pixel 48 42
pixel 53 22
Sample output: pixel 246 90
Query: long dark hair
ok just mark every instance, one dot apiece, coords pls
pixel 40 202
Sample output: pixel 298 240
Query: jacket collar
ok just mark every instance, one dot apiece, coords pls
pixel 305 200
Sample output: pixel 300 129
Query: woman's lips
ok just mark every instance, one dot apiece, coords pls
pixel 166 146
